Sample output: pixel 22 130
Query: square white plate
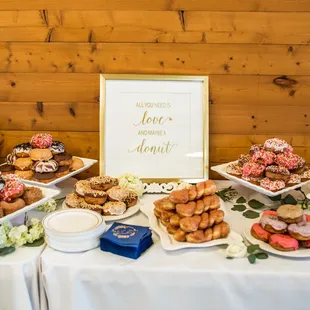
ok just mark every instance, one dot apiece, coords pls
pixel 221 169
pixel 48 193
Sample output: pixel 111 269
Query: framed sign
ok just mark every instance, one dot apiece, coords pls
pixel 154 126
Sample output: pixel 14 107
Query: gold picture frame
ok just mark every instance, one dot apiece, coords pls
pixel 205 119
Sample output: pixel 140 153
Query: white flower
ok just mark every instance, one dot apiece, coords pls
pixel 33 221
pixel 18 235
pixel 49 206
pixel 4 231
pixel 132 182
pixel 236 250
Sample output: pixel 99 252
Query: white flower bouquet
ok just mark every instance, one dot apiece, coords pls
pixel 132 182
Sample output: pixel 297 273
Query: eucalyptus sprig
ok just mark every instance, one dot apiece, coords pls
pixel 227 194
pixel 240 206
pixel 255 252
pixel 289 199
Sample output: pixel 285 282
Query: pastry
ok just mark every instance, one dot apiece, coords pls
pixel 200 207
pixel 175 220
pixel 294 179
pixel 290 213
pixel 62 171
pixel 243 159
pixel 211 202
pixel 283 242
pixel 23 163
pixel 7 169
pixel 200 187
pixel 40 154
pixel 32 195
pixel 180 235
pixel 103 183
pixel 41 141
pixel 210 187
pixel 74 201
pixel 114 208
pixel 179 196
pixel 57 147
pixel 272 224
pixel 220 230
pixel 165 203
pixel 186 209
pixel 13 189
pixel 192 192
pixel 165 216
pixel 190 224
pixel 291 161
pixel 277 173
pixel 26 175
pixel 299 231
pixel 22 150
pixel 9 207
pixel 44 177
pixel 196 237
pixel 234 169
pixel 263 157
pixel 2 183
pixel 215 217
pixel 255 148
pixel 45 166
pixel 63 159
pixel 76 164
pixel 10 158
pixel 171 229
pixel 272 185
pixel 260 233
pixel 204 222
pixel 276 145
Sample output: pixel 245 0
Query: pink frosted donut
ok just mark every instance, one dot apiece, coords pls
pixel 300 231
pixel 264 157
pixel 13 189
pixel 283 242
pixel 277 146
pixel 41 140
pixel 254 180
pixel 269 212
pixel 243 159
pixel 272 224
pixel 290 161
pixel 255 147
pixel 252 169
pixel 305 176
pixel 272 185
pixel 260 233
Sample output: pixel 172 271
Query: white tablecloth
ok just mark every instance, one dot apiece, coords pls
pixel 181 280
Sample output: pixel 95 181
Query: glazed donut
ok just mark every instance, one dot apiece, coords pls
pixel 276 145
pixel 22 150
pixel 277 173
pixel 74 201
pixel 255 148
pixel 294 180
pixel 23 163
pixel 180 235
pixel 264 157
pixel 291 161
pixel 63 159
pixel 45 166
pixel 40 154
pixel 13 189
pixel 76 164
pixel 57 147
pixel 300 231
pixel 44 177
pixel 283 242
pixel 272 185
pixel 196 237
pixel 62 171
pixel 234 169
pixel 41 140
pixel 211 202
pixel 260 233
pixel 114 208
pixel 190 224
pixel 9 207
pixel 10 158
pixel 243 159
pixel 26 175
pixel 83 189
pixel 103 183
pixel 252 169
pixel 290 213
pixel 179 196
pixel 32 195
pixel 272 224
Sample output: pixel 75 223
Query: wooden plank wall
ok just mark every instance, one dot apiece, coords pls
pixel 256 52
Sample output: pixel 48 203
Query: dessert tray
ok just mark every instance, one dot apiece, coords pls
pixel 300 253
pixel 48 194
pixel 168 242
pixel 221 169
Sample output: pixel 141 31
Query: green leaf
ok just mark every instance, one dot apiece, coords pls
pixel 6 251
pixel 255 204
pixel 35 243
pixel 239 208
pixel 289 200
pixel 249 214
pixel 252 248
pixel 252 259
pixel 275 198
pixel 241 200
pixel 229 258
pixel 261 255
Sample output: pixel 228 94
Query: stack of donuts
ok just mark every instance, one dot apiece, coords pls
pixel 103 195
pixel 193 214
pixel 272 165
pixel 14 195
pixel 286 229
pixel 42 159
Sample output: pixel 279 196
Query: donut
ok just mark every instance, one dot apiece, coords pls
pixel 22 150
pixel 252 169
pixel 264 157
pixel 125 195
pixel 2 184
pixel 291 161
pixel 277 173
pixel 294 180
pixel 299 231
pixel 45 166
pixel 9 207
pixel 305 176
pixel 255 148
pixel 62 171
pixel 26 175
pixel 272 224
pixel 269 212
pixel 103 183
pixel 260 233
pixel 76 164
pixel 44 177
pixel 272 185
pixel 63 159
pixel 234 169
pixel 7 169
pixel 290 213
pixel 276 145
pixel 10 158
pixel 243 159
pixel 114 208
pixel 283 242
pixel 253 180
pixel 32 195
pixel 23 163
pixel 13 189
pixel 74 201
pixel 40 154
pixel 57 147
pixel 83 189
pixel 41 140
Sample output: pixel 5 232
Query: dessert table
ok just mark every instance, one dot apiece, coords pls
pixel 183 279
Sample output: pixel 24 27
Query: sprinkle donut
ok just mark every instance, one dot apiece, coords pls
pixel 243 159
pixel 277 173
pixel 41 140
pixel 294 180
pixel 272 185
pixel 13 189
pixel 305 176
pixel 290 161
pixel 234 169
pixel 255 148
pixel 277 146
pixel 272 224
pixel 264 157
pixel 252 169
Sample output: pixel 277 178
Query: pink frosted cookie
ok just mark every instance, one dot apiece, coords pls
pixel 276 145
pixel 264 157
pixel 41 140
pixel 283 242
pixel 272 224
pixel 272 185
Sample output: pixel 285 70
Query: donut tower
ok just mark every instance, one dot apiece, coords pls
pixel 272 165
pixel 193 214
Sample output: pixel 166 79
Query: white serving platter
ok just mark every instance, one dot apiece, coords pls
pixel 168 242
pixel 300 253
pixel 48 194
pixel 221 169
pixel 87 164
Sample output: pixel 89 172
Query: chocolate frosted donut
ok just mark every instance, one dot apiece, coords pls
pixel 63 159
pixel 44 177
pixel 45 166
pixel 62 170
pixel 7 169
pixel 22 150
pixel 57 147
